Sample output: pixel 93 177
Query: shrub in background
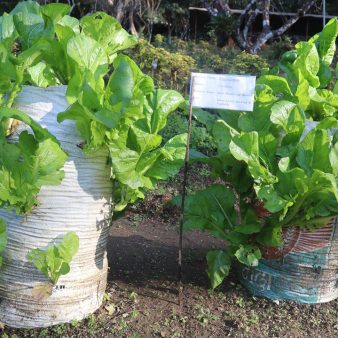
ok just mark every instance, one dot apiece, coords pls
pixel 168 69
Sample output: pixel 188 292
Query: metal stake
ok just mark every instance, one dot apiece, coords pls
pixel 184 192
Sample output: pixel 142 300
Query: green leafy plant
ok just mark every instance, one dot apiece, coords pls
pixel 121 111
pixel 115 106
pixel 170 63
pixel 28 164
pixel 200 138
pixel 278 166
pixel 126 117
pixel 170 69
pixel 311 79
pixel 245 63
pixel 54 261
pixel 34 159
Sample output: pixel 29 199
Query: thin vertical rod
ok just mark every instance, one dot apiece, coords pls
pixel 324 12
pixel 184 192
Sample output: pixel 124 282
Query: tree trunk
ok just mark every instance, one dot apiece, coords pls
pixel 216 7
pixel 132 27
pixel 267 34
pixel 241 39
pixel 120 13
pixel 266 15
pixel 248 16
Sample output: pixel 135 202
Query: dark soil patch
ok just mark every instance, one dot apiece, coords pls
pixel 142 293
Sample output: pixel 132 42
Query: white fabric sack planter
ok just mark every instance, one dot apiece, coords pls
pixel 80 204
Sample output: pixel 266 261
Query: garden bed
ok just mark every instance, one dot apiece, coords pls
pixel 142 298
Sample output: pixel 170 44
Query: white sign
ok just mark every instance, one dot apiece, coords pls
pixel 234 92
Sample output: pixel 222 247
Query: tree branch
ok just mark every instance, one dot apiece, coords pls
pixel 264 37
pixel 249 23
pixel 301 12
pixel 72 6
pixel 216 7
pixel 266 15
pixel 248 16
pixel 242 41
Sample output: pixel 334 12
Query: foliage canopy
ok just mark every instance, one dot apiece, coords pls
pixel 278 163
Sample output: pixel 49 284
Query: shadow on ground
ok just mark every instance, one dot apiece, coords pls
pixel 136 259
pixel 146 254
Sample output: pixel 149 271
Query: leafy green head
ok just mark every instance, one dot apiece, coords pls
pixel 114 104
pixel 29 163
pixel 310 74
pixel 279 163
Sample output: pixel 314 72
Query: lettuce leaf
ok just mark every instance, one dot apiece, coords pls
pixel 29 163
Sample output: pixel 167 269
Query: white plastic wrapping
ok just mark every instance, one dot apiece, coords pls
pixel 81 204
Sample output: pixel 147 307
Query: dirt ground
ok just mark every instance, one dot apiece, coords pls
pixel 142 294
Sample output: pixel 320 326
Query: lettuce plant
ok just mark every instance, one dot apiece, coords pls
pixel 28 164
pixel 115 106
pixel 126 116
pixel 310 77
pixel 54 261
pixel 277 165
pixel 113 103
